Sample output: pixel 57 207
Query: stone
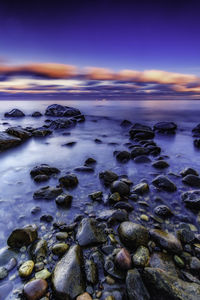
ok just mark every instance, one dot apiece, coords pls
pixel 140 159
pixel 11 264
pixel 178 261
pixel 164 183
pixel 191 180
pixel 41 132
pixel 123 156
pixel 84 296
pixel 135 287
pixel 197 143
pixel 165 127
pixel 163 211
pixel 64 200
pixel 68 279
pixel 163 261
pixel 62 123
pixel 36 289
pixel 120 187
pixel 194 264
pixel 38 250
pixel 160 164
pixel 114 197
pixel 141 257
pixel 139 151
pixel 46 218
pixel 61 236
pixel 44 169
pixel 188 171
pixel 26 268
pixel 125 123
pixel 144 217
pixel 47 193
pixel 36 114
pixel 14 113
pixel 113 215
pixel 124 205
pixel 133 235
pixel 141 131
pixel 141 188
pixel 41 178
pixel 166 240
pixel 8 141
pixel 60 248
pixel 3 273
pixel 191 199
pixel 89 233
pixel 91 271
pixel 69 181
pixel 19 132
pixel 22 236
pixel 57 110
pixel 84 169
pixel 123 259
pixel 43 274
pixel 108 177
pixel 90 161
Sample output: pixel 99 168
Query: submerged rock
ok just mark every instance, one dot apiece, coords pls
pixel 142 132
pixel 84 169
pixel 57 110
pixel 47 193
pixel 68 278
pixel 191 180
pixel 36 114
pixel 166 240
pixel 108 177
pixel 163 211
pixel 188 171
pixel 14 113
pixel 165 127
pixel 44 169
pixel 123 156
pixel 22 237
pixel 164 183
pixel 160 164
pixel 191 199
pixel 69 180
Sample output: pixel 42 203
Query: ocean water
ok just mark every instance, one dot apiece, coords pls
pixel 103 120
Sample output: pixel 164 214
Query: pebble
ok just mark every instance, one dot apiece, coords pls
pixel 26 268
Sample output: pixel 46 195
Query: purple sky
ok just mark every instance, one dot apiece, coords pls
pixel 116 35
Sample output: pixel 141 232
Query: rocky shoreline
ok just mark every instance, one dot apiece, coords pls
pixel 110 254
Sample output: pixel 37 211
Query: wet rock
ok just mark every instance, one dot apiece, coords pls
pixel 142 132
pixel 160 164
pixel 120 187
pixel 41 132
pixel 96 195
pixel 47 193
pixel 196 130
pixel 115 197
pixel 91 271
pixel 19 132
pixel 43 274
pixel 68 278
pixel 163 261
pixel 113 215
pixel 164 183
pixel 140 159
pixel 123 156
pixel 188 171
pixel 11 264
pixel 36 289
pixel 44 169
pixel 64 200
pixel 138 151
pixel 125 123
pixel 165 127
pixel 89 233
pixel 14 113
pixel 60 248
pixel 84 169
pixel 135 287
pixel 191 199
pixel 141 188
pixel 194 264
pixel 98 141
pixel 84 296
pixel 161 285
pixel 163 211
pixel 56 110
pixel 108 177
pixel 38 250
pixel 133 235
pixel 26 268
pixel 191 180
pixel 3 273
pixel 123 259
pixel 166 240
pixel 62 124
pixel 185 234
pixel 69 180
pixel 141 257
pixel 41 178
pixel 8 141
pixel 111 268
pixel 197 143
pixel 22 237
pixel 46 218
pixel 36 114
pixel 90 161
pixel 123 205
pixel 61 236
pixel 178 261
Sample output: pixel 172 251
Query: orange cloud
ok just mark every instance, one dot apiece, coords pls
pixel 99 74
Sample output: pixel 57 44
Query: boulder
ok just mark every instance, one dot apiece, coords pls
pixel 141 132
pixel 191 180
pixel 14 113
pixel 192 199
pixel 36 114
pixel 47 193
pixel 8 141
pixel 108 177
pixel 19 132
pixel 165 127
pixel 120 187
pixel 57 110
pixel 69 180
pixel 164 183
pixel 22 236
pixel 36 289
pixel 44 169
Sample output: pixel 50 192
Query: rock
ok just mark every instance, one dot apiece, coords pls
pixel 19 132
pixel 41 132
pixel 163 211
pixel 14 113
pixel 89 233
pixel 44 169
pixel 197 143
pixel 43 274
pixel 135 287
pixel 123 156
pixel 91 271
pixel 191 180
pixel 166 240
pixel 165 127
pixel 164 183
pixel 123 205
pixel 61 236
pixel 113 215
pixel 3 273
pixel 68 279
pixel 90 161
pixel 64 200
pixel 115 197
pixel 191 199
pixel 60 248
pixel 133 235
pixel 194 264
pixel 84 296
pixel 164 262
pixel 161 285
pixel 196 130
pixel 22 237
pixel 36 289
pixel 178 261
pixel 84 169
pixel 188 171
pixel 185 234
pixel 69 181
pixel 8 141
pixel 46 218
pixel 141 188
pixel 114 271
pixel 123 259
pixel 69 144
pixel 140 159
pixel 38 250
pixel 41 178
pixel 108 177
pixel 141 257
pixel 26 268
pixel 47 193
pixel 125 123
pixel 6 255
pixel 11 264
pixel 139 151
pixel 160 164
pixel 120 187
pixel 56 110
pixel 141 132
pixel 96 195
pixel 35 210
pixel 36 114
pixel 62 123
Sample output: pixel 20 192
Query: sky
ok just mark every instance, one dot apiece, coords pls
pixel 99 49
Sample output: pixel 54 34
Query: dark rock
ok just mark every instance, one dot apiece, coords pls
pixel 35 210
pixel 56 110
pixel 44 169
pixel 68 278
pixel 62 123
pixel 111 268
pixel 123 205
pixel 108 177
pixel 90 161
pixel 96 196
pixel 3 273
pixel 163 211
pixel 196 131
pixel 69 180
pixel 91 271
pixel 133 235
pixel 38 250
pixel 69 144
pixel 22 237
pixel 138 151
pixel 41 132
pixel 185 234
pixel 8 141
pixel 89 233
pixel 166 240
pixel 120 187
pixel 47 193
pixel 46 218
pixel 113 215
pixel 14 113
pixel 165 127
pixel 123 259
pixel 19 132
pixel 98 141
pixel 160 164
pixel 123 156
pixel 135 287
pixel 194 264
pixel 164 183
pixel 191 180
pixel 36 114
pixel 140 159
pixel 141 188
pixel 192 199
pixel 125 123
pixel 36 289
pixel 164 262
pixel 197 143
pixel 142 132
pixel 141 257
pixel 64 200
pixel 188 171
pixel 84 169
